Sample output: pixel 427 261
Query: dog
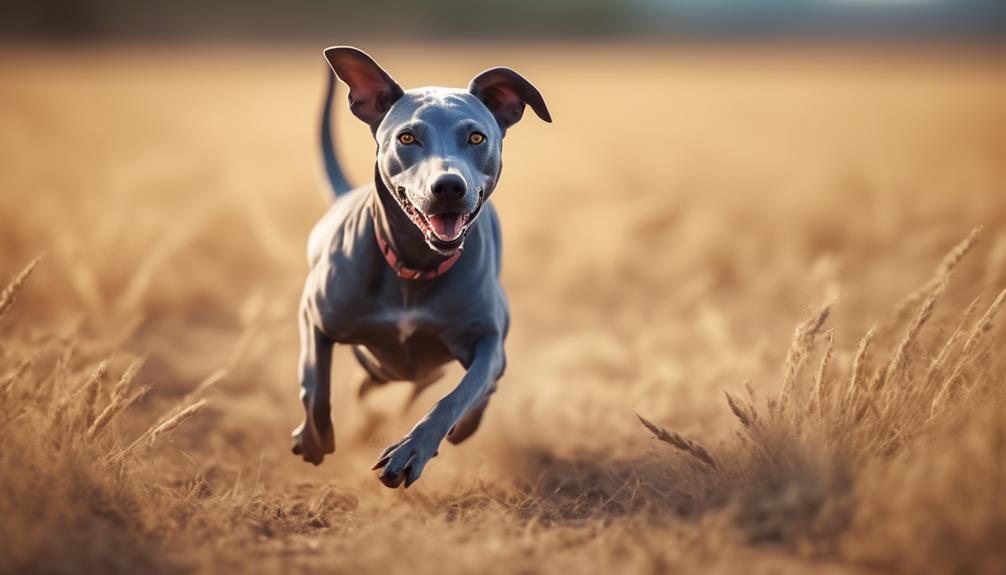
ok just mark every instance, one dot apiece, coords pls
pixel 405 270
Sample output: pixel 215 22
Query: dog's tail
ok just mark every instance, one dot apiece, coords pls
pixel 336 178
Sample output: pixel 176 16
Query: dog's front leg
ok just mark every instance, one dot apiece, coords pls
pixel 405 459
pixel 314 437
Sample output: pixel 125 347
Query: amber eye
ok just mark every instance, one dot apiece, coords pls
pixel 476 138
pixel 406 138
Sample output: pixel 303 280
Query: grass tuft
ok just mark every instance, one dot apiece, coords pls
pixel 827 465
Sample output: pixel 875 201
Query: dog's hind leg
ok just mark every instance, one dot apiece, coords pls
pixel 374 378
pixel 314 437
pixel 419 385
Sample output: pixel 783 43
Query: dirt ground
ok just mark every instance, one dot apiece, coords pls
pixel 686 210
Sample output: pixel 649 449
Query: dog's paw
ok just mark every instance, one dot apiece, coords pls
pixel 405 459
pixel 313 444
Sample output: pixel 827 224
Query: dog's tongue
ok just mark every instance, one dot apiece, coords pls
pixel 446 226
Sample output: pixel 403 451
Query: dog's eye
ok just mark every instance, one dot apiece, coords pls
pixel 476 138
pixel 406 138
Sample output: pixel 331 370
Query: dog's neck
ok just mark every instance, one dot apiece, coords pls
pixel 401 234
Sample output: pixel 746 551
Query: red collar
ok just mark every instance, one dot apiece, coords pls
pixel 408 273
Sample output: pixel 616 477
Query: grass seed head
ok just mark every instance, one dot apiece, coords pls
pixel 9 294
pixel 679 441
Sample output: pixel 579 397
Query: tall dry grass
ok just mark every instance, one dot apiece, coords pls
pixel 884 462
pixel 69 492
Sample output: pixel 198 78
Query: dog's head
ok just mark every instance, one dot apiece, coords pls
pixel 438 149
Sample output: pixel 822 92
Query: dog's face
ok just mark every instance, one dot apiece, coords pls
pixel 439 150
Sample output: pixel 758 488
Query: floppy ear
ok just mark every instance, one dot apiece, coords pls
pixel 371 90
pixel 505 93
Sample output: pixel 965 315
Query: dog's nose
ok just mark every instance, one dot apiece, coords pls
pixel 449 187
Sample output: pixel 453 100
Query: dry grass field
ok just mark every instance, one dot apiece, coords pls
pixel 766 253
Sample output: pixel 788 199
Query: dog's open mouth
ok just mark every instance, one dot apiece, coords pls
pixel 447 227
pixel 446 231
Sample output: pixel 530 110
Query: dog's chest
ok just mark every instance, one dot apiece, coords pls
pixel 406 323
pixel 397 327
pixel 406 343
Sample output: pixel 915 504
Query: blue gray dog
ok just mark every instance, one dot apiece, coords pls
pixel 388 275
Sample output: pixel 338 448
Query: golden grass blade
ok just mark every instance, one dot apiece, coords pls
pixel 160 429
pixel 118 401
pixel 898 366
pixel 12 376
pixel 89 389
pixel 90 392
pixel 10 292
pixel 127 376
pixel 213 379
pixel 801 347
pixel 93 380
pixel 822 387
pixel 738 409
pixel 684 444
pixel 941 358
pixel 890 406
pixel 85 388
pixel 859 367
pixel 115 407
pixel 984 325
pixel 181 417
pixel 943 270
pixel 982 328
pixel 954 257
pixel 745 413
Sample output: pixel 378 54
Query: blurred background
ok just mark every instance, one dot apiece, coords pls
pixel 483 19
pixel 716 170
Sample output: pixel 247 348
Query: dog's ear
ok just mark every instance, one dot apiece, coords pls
pixel 505 93
pixel 371 90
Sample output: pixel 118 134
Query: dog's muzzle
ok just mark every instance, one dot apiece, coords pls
pixel 444 231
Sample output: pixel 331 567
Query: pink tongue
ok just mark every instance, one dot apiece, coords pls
pixel 446 226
